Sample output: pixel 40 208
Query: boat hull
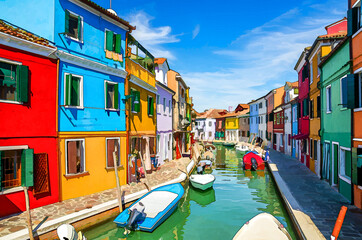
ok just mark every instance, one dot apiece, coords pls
pixel 202 186
pixel 150 224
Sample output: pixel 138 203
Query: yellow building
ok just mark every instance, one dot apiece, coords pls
pixel 231 127
pixel 141 108
pixel 321 48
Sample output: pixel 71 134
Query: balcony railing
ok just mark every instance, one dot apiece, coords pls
pixel 137 70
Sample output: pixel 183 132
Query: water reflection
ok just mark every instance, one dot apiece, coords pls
pixel 202 198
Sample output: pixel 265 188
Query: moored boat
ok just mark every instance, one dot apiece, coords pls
pixel 202 181
pixel 229 144
pixel 263 226
pixel 252 161
pixel 147 213
pixel 242 148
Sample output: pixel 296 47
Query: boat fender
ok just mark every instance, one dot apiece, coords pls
pixel 200 169
pixel 135 215
pixel 254 164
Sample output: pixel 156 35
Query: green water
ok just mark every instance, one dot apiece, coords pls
pixel 217 213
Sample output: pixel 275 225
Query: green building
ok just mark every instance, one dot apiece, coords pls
pixel 336 118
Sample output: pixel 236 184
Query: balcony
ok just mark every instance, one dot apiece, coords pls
pixel 137 70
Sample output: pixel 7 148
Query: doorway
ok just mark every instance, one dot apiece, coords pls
pixel 334 167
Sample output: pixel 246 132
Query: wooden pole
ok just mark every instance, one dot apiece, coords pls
pixel 117 180
pixel 144 168
pixel 28 216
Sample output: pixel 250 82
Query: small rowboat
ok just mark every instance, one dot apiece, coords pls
pixel 252 161
pixel 262 226
pixel 229 144
pixel 203 181
pixel 148 212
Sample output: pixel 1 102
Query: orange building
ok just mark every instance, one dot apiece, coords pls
pixel 354 32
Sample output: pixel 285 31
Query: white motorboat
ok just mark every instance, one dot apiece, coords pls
pixel 242 148
pixel 263 226
pixel 202 181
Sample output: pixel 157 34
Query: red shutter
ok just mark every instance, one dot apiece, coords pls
pixel 41 173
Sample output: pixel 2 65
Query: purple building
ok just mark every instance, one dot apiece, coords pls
pixel 164 112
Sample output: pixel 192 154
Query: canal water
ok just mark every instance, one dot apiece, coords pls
pixel 217 213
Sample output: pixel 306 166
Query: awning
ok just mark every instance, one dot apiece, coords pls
pixel 300 136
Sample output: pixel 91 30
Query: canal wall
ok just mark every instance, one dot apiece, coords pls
pixel 90 210
pixel 303 224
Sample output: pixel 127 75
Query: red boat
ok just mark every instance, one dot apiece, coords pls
pixel 252 161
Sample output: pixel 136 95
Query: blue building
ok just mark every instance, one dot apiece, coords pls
pixel 295 142
pixel 91 46
pixel 254 118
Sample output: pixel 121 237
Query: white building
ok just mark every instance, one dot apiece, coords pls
pixel 291 92
pixel 205 125
pixel 262 117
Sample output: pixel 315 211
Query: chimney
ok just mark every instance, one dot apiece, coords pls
pixel 230 109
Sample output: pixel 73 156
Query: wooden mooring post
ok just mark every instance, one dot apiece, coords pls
pixel 28 216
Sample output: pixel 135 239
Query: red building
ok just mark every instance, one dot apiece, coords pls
pixel 303 107
pixel 278 129
pixel 28 129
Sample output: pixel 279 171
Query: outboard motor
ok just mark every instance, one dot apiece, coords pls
pixel 135 215
pixel 200 169
pixel 254 164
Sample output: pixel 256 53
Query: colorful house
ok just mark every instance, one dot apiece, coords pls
pixel 141 107
pixel 220 125
pixel 232 122
pixel 164 112
pixel 320 48
pixel 244 127
pixel 354 32
pixel 278 138
pixel 262 117
pixel 295 142
pixel 303 107
pixel 290 93
pixel 254 118
pixel 273 98
pixel 189 106
pixel 335 74
pixel 28 129
pixel 180 120
pixel 91 44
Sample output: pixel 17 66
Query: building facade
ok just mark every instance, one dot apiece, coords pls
pixel 290 93
pixel 254 118
pixel 244 128
pixel 28 130
pixel 262 117
pixel 278 138
pixel 295 142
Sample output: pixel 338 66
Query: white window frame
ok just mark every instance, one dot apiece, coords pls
pixel 342 171
pixel 66 156
pixel 105 96
pixel 82 30
pixel 80 94
pixel 328 95
pixel 119 152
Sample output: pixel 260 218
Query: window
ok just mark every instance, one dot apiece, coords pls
pixel 16 167
pixel 305 107
pixel 345 163
pixel 151 106
pixel 260 105
pixel 135 104
pixel 311 148
pixel 328 99
pixel 13 82
pixel 111 90
pixel 210 134
pixel 112 147
pixel 75 159
pixel 319 106
pixel 315 149
pixel 319 57
pixel 113 41
pixel 73 25
pixel 311 109
pixel 311 72
pixel 169 107
pixel 73 90
pixel 343 91
pixel 210 123
pixel 274 138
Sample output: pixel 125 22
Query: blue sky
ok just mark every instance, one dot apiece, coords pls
pixel 233 51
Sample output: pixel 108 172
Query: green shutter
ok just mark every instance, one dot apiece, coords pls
pixel 22 78
pixel 106 93
pixel 1 172
pixel 137 106
pixel 152 106
pixel 66 21
pixel 350 91
pixel 109 40
pixel 27 171
pixel 118 43
pixel 68 83
pixel 75 92
pixel 79 28
pixel 354 166
pixel 116 96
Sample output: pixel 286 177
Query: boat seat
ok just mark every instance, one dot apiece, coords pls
pixel 156 202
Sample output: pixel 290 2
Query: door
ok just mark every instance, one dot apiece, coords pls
pixel 334 173
pixel 318 161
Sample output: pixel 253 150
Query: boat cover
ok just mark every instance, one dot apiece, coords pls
pixel 247 160
pixel 202 179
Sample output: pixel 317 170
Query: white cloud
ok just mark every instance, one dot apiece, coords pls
pixel 261 59
pixel 196 31
pixel 151 37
